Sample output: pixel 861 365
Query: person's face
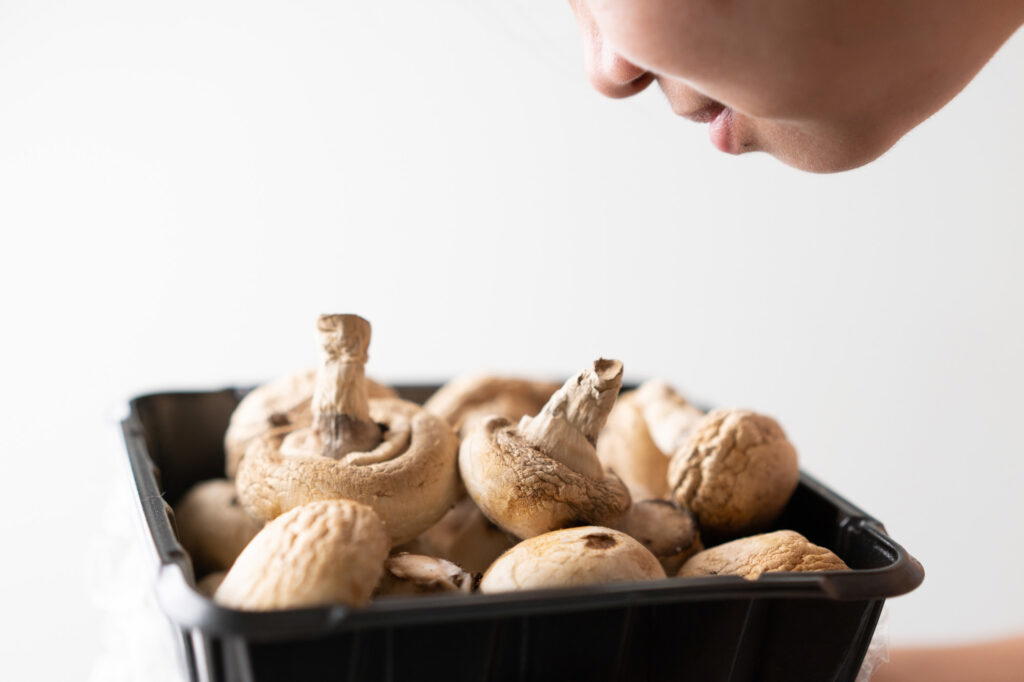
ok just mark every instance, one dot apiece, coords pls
pixel 822 86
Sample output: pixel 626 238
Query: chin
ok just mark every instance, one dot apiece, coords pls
pixel 833 153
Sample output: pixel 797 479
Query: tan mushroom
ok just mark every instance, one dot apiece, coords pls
pixel 644 428
pixel 668 531
pixel 406 574
pixel 482 395
pixel 586 555
pixel 544 473
pixel 736 472
pixel 387 453
pixel 212 526
pixel 209 584
pixel 329 552
pixel 781 551
pixel 282 404
pixel 465 537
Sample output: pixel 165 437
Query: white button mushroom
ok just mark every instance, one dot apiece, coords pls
pixel 482 395
pixel 329 552
pixel 644 429
pixel 282 404
pixel 212 526
pixel 544 473
pixel 387 453
pixel 465 537
pixel 750 557
pixel 406 574
pixel 585 555
pixel 668 531
pixel 736 472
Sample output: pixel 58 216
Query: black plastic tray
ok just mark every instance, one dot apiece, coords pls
pixel 781 627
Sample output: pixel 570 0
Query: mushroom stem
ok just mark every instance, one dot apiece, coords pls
pixel 341 412
pixel 567 427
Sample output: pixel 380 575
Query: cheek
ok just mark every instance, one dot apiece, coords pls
pixel 823 148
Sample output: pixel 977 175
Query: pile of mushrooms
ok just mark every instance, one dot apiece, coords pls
pixel 340 492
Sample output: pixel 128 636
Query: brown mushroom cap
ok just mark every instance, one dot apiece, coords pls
pixel 585 555
pixel 669 532
pixel 212 526
pixel 736 472
pixel 321 553
pixel 283 403
pixel 465 537
pixel 481 395
pixel 644 428
pixel 387 453
pixel 781 551
pixel 406 573
pixel 544 473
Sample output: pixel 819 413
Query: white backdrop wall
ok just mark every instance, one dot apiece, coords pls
pixel 183 186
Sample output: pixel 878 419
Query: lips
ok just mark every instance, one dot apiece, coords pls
pixel 722 132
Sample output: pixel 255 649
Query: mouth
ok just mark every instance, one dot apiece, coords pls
pixel 722 132
pixel 722 126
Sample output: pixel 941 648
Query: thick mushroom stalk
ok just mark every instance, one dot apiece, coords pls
pixel 406 469
pixel 279 406
pixel 783 551
pixel 567 426
pixel 406 574
pixel 544 474
pixel 341 410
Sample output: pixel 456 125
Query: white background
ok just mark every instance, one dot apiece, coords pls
pixel 183 186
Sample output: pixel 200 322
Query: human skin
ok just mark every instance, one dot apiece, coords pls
pixel 999 661
pixel 822 86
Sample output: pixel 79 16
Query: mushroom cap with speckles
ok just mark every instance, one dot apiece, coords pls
pixel 212 526
pixel 736 472
pixel 328 552
pixel 525 491
pixel 284 404
pixel 781 551
pixel 480 395
pixel 586 555
pixel 411 478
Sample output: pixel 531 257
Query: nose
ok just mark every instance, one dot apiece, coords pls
pixel 613 75
pixel 610 73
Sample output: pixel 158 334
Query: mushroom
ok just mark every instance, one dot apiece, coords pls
pixel 465 537
pixel 406 573
pixel 644 428
pixel 669 532
pixel 326 552
pixel 209 584
pixel 736 472
pixel 212 526
pixel 544 473
pixel 283 403
pixel 469 397
pixel 585 555
pixel 387 453
pixel 781 551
